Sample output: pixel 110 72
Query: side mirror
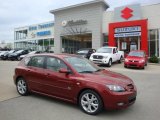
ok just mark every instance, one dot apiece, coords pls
pixel 64 70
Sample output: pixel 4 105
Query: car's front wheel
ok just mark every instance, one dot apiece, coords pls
pixel 110 63
pixel 90 102
pixel 22 87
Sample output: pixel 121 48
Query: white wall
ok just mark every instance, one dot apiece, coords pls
pixel 152 13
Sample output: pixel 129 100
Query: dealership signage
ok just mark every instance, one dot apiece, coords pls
pixel 43 33
pixel 127 34
pixel 73 23
pixel 127 12
pixel 43 26
pixel 128 31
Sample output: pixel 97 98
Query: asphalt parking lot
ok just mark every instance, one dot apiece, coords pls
pixel 35 107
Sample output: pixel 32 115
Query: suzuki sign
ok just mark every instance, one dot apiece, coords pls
pixel 128 12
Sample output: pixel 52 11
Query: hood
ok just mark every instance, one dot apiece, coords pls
pixel 134 58
pixel 108 77
pixel 101 54
pixel 22 56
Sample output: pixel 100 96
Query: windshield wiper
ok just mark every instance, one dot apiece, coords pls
pixel 86 72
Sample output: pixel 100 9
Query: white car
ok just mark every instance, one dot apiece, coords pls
pixel 107 55
pixel 33 52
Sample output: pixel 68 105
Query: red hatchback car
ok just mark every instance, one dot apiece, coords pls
pixel 136 59
pixel 74 79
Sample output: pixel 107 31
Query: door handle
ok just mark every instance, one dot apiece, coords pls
pixel 28 70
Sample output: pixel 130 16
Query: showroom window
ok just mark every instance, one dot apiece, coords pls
pixel 153 42
pixel 105 43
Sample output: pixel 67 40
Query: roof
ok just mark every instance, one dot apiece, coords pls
pixel 81 4
pixel 62 55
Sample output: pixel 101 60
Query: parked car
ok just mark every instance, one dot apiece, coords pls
pixel 107 55
pixel 86 53
pixel 33 52
pixel 2 53
pixel 5 55
pixel 17 54
pixel 74 79
pixel 137 59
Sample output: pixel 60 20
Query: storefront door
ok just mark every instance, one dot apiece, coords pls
pixel 128 44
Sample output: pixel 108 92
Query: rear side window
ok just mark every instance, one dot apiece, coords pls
pixel 37 61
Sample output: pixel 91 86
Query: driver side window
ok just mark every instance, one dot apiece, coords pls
pixel 55 64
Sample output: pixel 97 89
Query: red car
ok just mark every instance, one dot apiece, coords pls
pixel 74 79
pixel 136 59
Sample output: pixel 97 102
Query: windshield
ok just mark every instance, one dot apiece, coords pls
pixel 82 65
pixel 19 51
pixel 137 54
pixel 104 50
pixel 82 52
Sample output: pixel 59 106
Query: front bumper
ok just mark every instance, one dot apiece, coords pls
pixel 12 58
pixel 100 61
pixel 134 64
pixel 122 100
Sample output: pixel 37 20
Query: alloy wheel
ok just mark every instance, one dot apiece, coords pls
pixel 90 102
pixel 22 87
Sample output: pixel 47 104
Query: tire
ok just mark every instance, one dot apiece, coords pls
pixel 22 87
pixel 110 63
pixel 146 64
pixel 18 58
pixel 120 60
pixel 90 102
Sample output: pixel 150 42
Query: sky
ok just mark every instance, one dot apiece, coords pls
pixel 19 13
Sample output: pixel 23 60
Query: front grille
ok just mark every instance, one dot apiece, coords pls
pixel 97 57
pixel 132 65
pixel 135 61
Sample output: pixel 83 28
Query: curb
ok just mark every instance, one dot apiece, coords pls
pixel 157 64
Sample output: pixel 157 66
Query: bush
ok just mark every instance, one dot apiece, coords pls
pixel 154 59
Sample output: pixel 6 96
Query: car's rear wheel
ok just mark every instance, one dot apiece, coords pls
pixel 22 87
pixel 120 60
pixel 90 102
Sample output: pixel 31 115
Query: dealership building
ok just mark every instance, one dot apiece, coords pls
pixel 91 25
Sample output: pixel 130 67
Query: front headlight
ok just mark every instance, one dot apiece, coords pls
pixel 126 60
pixel 115 88
pixel 141 61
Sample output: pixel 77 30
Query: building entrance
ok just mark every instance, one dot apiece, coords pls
pixel 72 43
pixel 128 44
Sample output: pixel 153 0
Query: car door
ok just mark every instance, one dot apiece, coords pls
pixel 114 55
pixel 56 83
pixel 35 73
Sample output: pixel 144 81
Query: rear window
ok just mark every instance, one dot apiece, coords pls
pixel 26 60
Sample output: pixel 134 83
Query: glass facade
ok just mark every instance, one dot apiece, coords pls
pixel 153 42
pixel 38 45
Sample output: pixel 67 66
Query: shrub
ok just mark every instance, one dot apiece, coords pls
pixel 154 59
